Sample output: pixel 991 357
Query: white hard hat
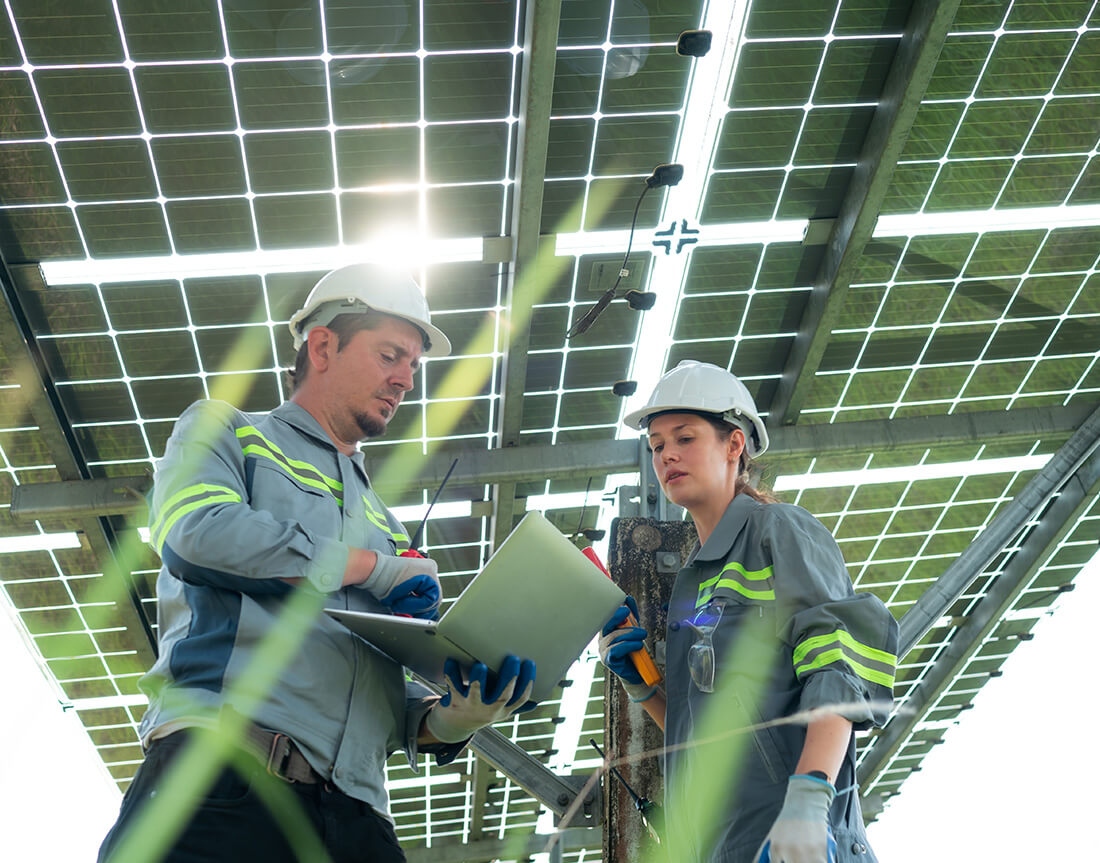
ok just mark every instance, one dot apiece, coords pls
pixel 359 288
pixel 702 387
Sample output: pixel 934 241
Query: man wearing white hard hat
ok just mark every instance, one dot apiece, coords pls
pixel 249 507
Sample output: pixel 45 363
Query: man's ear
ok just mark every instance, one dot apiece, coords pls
pixel 322 346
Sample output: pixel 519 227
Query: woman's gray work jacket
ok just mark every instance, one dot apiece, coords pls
pixel 792 636
pixel 241 501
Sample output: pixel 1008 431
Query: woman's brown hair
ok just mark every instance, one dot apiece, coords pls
pixel 745 466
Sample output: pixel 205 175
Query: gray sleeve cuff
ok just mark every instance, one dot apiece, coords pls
pixel 326 562
pixel 830 687
pixel 416 709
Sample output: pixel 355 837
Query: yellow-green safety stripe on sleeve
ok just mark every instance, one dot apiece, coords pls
pixel 873 665
pixel 751 584
pixel 378 520
pixel 254 443
pixel 184 501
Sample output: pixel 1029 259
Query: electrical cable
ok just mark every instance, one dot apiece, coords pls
pixel 584 323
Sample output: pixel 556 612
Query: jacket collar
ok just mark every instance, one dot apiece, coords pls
pixel 733 521
pixel 299 418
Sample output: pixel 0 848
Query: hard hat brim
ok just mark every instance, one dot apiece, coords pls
pixel 439 344
pixel 362 288
pixel 639 419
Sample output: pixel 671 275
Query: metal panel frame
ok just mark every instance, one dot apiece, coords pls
pixel 571 839
pixel 44 404
pixel 914 63
pixel 1074 499
pixel 536 95
pixel 580 460
pixel 1026 506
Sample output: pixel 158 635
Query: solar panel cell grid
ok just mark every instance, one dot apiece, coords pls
pixel 237 126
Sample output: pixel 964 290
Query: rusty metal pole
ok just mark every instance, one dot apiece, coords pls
pixel 644 556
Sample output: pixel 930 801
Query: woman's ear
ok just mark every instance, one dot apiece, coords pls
pixel 736 446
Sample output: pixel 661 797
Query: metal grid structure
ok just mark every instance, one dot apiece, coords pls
pixel 888 227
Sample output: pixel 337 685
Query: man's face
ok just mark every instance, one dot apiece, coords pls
pixel 371 375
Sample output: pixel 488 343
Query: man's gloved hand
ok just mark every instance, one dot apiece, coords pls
pixel 616 645
pixel 469 706
pixel 801 832
pixel 406 585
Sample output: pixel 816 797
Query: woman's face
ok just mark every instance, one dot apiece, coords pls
pixel 694 465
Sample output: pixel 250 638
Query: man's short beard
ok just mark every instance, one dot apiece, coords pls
pixel 369 426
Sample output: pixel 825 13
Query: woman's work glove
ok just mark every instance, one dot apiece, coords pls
pixel 801 831
pixel 406 585
pixel 616 645
pixel 468 706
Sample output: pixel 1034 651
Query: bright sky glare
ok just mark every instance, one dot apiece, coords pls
pixel 1014 781
pixel 56 796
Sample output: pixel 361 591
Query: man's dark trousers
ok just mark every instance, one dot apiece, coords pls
pixel 233 824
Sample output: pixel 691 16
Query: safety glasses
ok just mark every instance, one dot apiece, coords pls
pixel 701 653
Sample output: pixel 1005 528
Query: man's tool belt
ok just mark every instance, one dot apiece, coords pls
pixel 281 756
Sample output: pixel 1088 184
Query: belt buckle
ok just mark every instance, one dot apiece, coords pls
pixel 278 756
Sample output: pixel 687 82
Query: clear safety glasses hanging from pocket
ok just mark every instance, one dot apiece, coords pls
pixel 701 653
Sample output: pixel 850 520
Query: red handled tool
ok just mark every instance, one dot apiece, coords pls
pixel 643 662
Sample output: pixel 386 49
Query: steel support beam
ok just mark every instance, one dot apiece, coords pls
pixel 540 43
pixel 1074 499
pixel 479 786
pixel 82 498
pixel 556 793
pixel 914 62
pixel 598 458
pixel 519 848
pixel 1025 507
pixel 44 405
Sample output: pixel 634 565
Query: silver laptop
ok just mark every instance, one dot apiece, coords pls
pixel 537 598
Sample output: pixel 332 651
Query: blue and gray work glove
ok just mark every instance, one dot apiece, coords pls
pixel 616 645
pixel 406 585
pixel 801 831
pixel 473 704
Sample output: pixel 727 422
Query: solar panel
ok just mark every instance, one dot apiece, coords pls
pixel 265 128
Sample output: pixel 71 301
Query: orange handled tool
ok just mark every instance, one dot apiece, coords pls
pixel 643 662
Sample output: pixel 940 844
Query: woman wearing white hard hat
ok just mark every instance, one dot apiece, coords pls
pixel 763 624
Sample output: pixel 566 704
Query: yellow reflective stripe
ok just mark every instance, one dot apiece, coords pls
pixel 302 471
pixel 253 449
pixel 839 655
pixel 334 484
pixel 181 495
pixel 379 521
pixel 708 587
pixel 845 638
pixel 750 574
pixel 373 515
pixel 747 592
pixel 158 536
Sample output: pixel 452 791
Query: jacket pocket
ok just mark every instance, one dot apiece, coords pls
pixel 763 741
pixel 273 489
pixel 852 846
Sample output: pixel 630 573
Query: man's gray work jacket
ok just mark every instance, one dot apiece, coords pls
pixel 241 501
pixel 792 636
